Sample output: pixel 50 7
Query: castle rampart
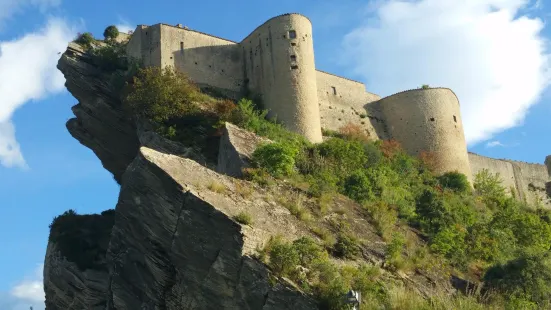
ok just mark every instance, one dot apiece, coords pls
pixel 526 180
pixel 428 120
pixel 279 67
pixel 276 64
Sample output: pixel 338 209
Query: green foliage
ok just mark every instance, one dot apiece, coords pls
pixel 111 33
pixel 526 278
pixel 425 86
pixel 394 250
pixel 110 57
pixel 455 181
pixel 83 239
pixel 244 218
pixel 276 158
pixel 489 187
pixel 85 40
pixel 162 95
pixel 347 246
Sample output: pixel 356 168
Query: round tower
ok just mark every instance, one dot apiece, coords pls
pixel 429 120
pixel 280 69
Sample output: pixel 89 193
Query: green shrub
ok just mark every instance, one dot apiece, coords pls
pixel 489 187
pixel 394 250
pixel 455 181
pixel 283 257
pixel 528 277
pixel 110 57
pixel 277 158
pixel 347 246
pixel 244 218
pixel 162 94
pixel 111 33
pixel 85 40
pixel 83 239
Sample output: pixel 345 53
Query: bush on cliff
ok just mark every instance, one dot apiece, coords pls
pixel 111 33
pixel 83 239
pixel 85 39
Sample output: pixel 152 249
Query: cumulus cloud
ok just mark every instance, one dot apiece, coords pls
pixel 29 292
pixel 489 52
pixel 28 72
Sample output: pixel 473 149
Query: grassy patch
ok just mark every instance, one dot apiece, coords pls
pixel 244 218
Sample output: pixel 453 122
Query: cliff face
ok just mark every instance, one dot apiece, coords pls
pixel 174 243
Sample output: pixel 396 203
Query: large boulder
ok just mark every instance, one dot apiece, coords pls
pixel 236 148
pixel 175 244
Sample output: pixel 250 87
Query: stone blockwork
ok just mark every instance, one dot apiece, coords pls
pixel 527 181
pixel 276 64
pixel 428 120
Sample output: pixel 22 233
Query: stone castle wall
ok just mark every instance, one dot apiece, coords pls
pixel 279 66
pixel 276 63
pixel 428 120
pixel 526 180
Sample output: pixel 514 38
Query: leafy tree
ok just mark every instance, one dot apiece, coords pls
pixel 162 94
pixel 529 277
pixel 85 40
pixel 111 33
pixel 277 158
pixel 455 181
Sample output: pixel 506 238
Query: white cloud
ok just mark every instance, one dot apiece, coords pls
pixel 28 72
pixel 29 292
pixel 494 144
pixel 125 28
pixel 492 56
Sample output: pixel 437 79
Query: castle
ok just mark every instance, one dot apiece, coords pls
pixel 275 63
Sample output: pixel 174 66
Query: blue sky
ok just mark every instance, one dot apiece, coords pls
pixel 493 53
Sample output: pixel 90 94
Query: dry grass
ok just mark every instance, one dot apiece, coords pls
pixel 243 218
pixel 244 189
pixel 217 187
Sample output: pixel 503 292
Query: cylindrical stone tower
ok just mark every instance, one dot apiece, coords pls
pixel 429 120
pixel 280 70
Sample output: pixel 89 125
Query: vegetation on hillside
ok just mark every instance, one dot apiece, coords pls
pixel 480 230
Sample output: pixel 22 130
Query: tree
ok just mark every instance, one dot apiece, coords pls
pixel 111 33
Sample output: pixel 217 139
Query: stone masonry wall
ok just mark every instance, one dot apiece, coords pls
pixel 206 59
pixel 428 120
pixel 280 67
pixel 343 101
pixel 527 180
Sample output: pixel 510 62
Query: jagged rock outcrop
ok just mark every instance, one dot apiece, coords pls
pixel 78 278
pixel 100 123
pixel 236 148
pixel 179 248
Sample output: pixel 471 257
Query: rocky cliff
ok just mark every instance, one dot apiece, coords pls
pixel 172 241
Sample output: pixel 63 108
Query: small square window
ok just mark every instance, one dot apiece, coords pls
pixel 293 58
pixel 181 47
pixel 454 119
pixel 334 90
pixel 293 44
pixel 294 67
pixel 292 34
pixel 432 119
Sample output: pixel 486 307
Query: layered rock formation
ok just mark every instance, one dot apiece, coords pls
pixel 174 244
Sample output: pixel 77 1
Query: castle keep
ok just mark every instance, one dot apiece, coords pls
pixel 275 63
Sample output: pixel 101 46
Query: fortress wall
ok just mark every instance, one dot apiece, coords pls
pixel 504 168
pixel 343 101
pixel 428 120
pixel 145 45
pixel 206 59
pixel 527 180
pixel 532 179
pixel 280 68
